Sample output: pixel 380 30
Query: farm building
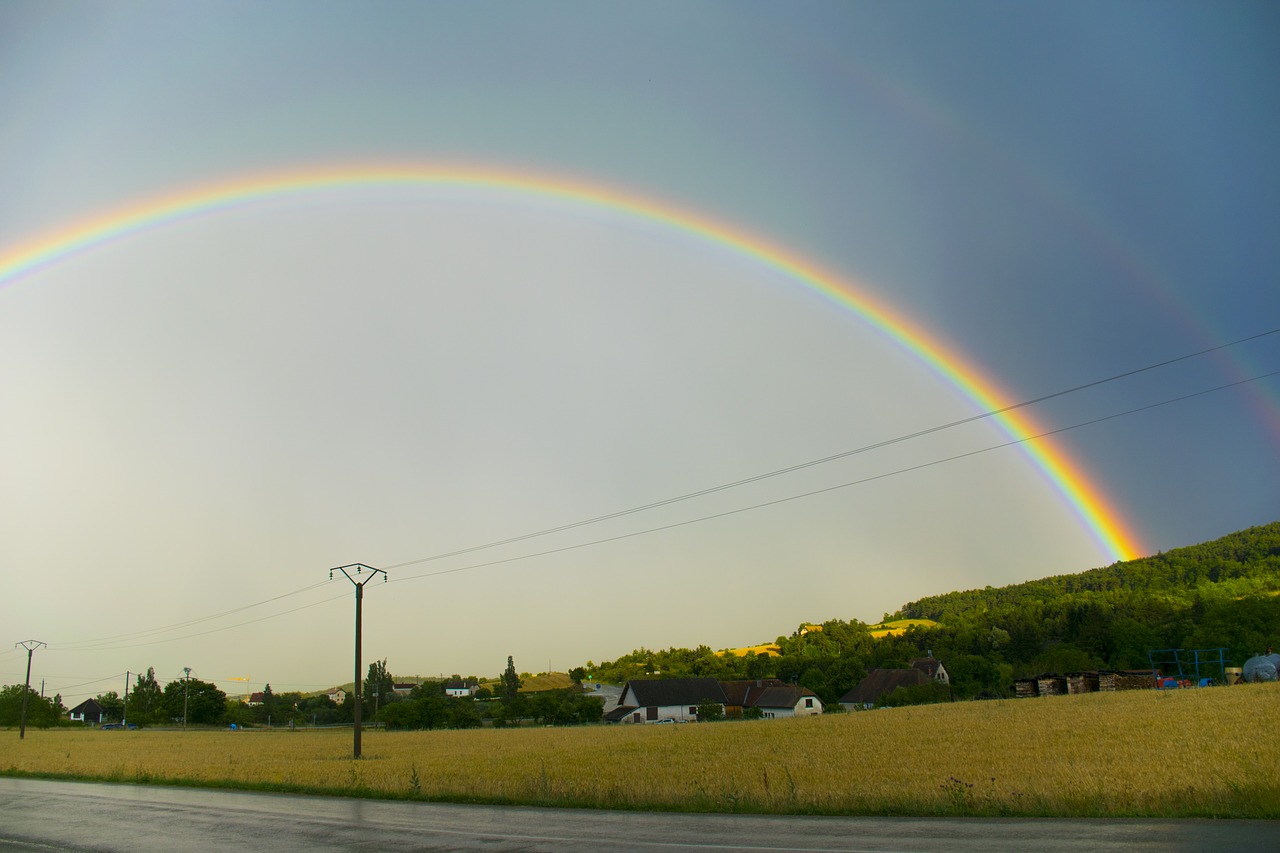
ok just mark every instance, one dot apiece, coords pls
pixel 458 688
pixel 878 683
pixel 88 711
pixel 773 697
pixel 933 668
pixel 652 701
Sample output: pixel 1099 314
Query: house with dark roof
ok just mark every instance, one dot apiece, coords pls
pixel 458 688
pixel 879 683
pixel 656 700
pixel 88 711
pixel 772 696
pixel 933 668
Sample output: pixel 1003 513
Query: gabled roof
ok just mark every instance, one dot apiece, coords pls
pixel 739 692
pixel 88 706
pixel 780 696
pixel 764 693
pixel 929 666
pixel 619 713
pixel 881 681
pixel 675 691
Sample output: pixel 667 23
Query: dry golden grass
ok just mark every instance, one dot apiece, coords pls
pixel 899 627
pixel 1205 752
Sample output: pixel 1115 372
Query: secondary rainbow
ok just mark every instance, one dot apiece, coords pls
pixel 1104 524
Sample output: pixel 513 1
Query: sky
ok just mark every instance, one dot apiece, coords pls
pixel 402 283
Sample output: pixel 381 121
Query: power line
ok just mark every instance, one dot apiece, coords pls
pixel 827 489
pixel 124 641
pixel 857 450
pixel 95 644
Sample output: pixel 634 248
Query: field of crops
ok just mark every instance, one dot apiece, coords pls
pixel 1210 752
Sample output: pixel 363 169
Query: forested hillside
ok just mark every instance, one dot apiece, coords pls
pixel 1224 593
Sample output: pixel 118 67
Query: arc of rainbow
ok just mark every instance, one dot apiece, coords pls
pixel 1104 524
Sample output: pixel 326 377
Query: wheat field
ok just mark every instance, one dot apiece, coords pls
pixel 1207 753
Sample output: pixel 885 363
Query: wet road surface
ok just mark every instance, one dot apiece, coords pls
pixel 70 816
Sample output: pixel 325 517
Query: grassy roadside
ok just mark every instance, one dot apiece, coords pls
pixel 1190 753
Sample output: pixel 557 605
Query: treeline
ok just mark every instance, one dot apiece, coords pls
pixel 429 707
pixel 1220 594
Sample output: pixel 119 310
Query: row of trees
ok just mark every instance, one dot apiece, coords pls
pixel 429 707
pixel 1216 595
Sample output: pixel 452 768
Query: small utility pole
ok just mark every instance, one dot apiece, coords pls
pixel 30 646
pixel 359 585
pixel 124 709
pixel 186 688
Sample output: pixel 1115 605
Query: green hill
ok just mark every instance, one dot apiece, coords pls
pixel 1221 594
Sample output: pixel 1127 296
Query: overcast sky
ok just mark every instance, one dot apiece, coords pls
pixel 202 417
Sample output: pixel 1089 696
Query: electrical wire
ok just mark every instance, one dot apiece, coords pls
pixel 857 450
pixel 126 641
pixel 827 489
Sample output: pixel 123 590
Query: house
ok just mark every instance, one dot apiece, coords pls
pixel 878 683
pixel 337 695
pixel 773 697
pixel 256 699
pixel 656 700
pixel 933 668
pixel 88 711
pixel 402 689
pixel 459 688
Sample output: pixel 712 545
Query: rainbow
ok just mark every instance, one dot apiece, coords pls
pixel 1104 524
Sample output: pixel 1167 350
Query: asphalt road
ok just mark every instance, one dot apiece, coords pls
pixel 39 815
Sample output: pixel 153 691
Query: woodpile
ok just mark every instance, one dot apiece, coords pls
pixel 1051 684
pixel 1082 682
pixel 1129 679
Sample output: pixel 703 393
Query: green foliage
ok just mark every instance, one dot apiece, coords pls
pixel 41 713
pixel 145 703
pixel 510 682
pixel 710 712
pixel 1220 594
pixel 378 688
pixel 112 705
pixel 205 704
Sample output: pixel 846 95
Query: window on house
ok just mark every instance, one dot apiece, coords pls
pixel 694 711
pixel 651 712
pixel 808 703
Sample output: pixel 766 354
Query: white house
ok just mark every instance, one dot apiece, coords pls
pixel 933 668
pixel 774 698
pixel 653 701
pixel 337 695
pixel 460 688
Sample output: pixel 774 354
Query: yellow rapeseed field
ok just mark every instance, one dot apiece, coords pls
pixel 1209 752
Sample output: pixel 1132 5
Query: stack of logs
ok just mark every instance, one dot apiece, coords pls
pixel 1052 684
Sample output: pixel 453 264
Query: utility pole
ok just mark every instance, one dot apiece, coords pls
pixel 186 688
pixel 124 709
pixel 30 646
pixel 359 585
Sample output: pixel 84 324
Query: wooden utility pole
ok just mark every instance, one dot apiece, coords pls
pixel 359 585
pixel 30 646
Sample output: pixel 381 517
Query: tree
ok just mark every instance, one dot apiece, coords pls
pixel 709 712
pixel 510 682
pixel 206 705
pixel 378 687
pixel 112 705
pixel 146 701
pixel 41 713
